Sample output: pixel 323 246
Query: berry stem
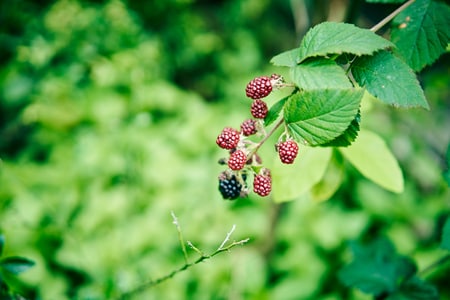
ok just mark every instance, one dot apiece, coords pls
pixel 265 138
pixel 391 16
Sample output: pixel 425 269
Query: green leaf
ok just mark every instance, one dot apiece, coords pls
pixel 286 59
pixel 274 111
pixel 320 73
pixel 349 135
pixel 376 268
pixel 16 264
pixel 291 181
pixel 337 38
pixel 422 32
pixel 446 172
pixel 389 79
pixel 445 240
pixel 319 116
pixel 415 289
pixel 370 155
pixel 331 180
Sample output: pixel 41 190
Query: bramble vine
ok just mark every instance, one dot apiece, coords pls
pixel 336 67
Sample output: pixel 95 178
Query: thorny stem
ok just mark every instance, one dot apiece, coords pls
pixel 391 16
pixel 187 265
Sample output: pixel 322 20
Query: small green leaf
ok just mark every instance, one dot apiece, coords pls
pixel 15 264
pixel 370 155
pixel 320 73
pixel 415 289
pixel 286 59
pixel 376 268
pixel 274 111
pixel 445 240
pixel 389 79
pixel 349 135
pixel 291 181
pixel 330 182
pixel 337 38
pixel 422 32
pixel 319 116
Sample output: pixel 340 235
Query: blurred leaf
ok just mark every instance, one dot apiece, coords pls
pixel 319 116
pixel 370 155
pixel 320 73
pixel 415 289
pixel 445 240
pixel 337 38
pixel 2 243
pixel 330 182
pixel 422 32
pixel 16 264
pixel 376 268
pixel 385 1
pixel 286 59
pixel 291 181
pixel 274 111
pixel 389 79
pixel 349 135
pixel 446 173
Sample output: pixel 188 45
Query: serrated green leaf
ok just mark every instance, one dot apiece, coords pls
pixel 337 38
pixel 349 135
pixel 286 59
pixel 291 181
pixel 319 116
pixel 389 79
pixel 445 240
pixel 377 268
pixel 16 264
pixel 422 32
pixel 274 111
pixel 330 182
pixel 415 289
pixel 320 73
pixel 370 155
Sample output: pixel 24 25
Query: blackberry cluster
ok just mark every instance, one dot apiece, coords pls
pixel 242 151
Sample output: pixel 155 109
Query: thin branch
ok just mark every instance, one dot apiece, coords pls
pixel 187 265
pixel 391 16
pixel 180 237
pixel 265 138
pixel 227 237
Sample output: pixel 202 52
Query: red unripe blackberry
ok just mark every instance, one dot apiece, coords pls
pixel 259 87
pixel 287 151
pixel 237 160
pixel 262 184
pixel 259 109
pixel 248 127
pixel 229 186
pixel 228 138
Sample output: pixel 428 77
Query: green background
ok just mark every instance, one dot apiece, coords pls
pixel 109 112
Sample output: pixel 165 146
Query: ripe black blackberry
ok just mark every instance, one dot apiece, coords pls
pixel 229 185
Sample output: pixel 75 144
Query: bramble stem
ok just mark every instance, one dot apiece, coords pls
pixel 180 236
pixel 265 138
pixel 187 265
pixel 391 16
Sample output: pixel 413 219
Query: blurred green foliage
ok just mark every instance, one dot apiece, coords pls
pixel 108 115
